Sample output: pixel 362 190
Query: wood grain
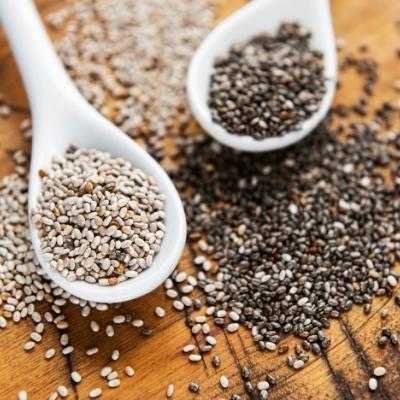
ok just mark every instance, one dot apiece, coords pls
pixel 341 373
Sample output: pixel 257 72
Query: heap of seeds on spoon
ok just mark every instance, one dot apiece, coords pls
pixel 99 219
pixel 269 85
pixel 337 217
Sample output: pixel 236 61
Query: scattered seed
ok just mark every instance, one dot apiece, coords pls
pixel 119 319
pixel 115 355
pixel 22 395
pixel 94 326
pixel 92 351
pixel 194 387
pixel 114 383
pixel 68 350
pixel 298 364
pixel 195 357
pixel 233 327
pixel 160 312
pixel 224 382
pixel 379 371
pixel 263 385
pixel 105 371
pixel 76 376
pixel 188 348
pixel 95 393
pixel 170 391
pixel 110 331
pixel 216 361
pixel 50 353
pixel 372 384
pixel 62 391
pixel 29 346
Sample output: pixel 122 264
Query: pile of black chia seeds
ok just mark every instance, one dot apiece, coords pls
pixel 297 237
pixel 269 85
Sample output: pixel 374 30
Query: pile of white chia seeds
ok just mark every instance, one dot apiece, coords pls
pixel 23 282
pixel 129 59
pixel 99 219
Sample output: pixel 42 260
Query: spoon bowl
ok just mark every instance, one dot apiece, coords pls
pixel 60 117
pixel 257 17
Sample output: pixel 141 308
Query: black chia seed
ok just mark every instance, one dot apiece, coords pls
pixel 194 387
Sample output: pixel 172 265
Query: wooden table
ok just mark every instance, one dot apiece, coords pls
pixel 342 373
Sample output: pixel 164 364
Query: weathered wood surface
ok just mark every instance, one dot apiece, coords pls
pixel 341 373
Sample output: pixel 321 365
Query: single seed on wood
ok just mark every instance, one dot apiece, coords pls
pixel 195 357
pixel 147 332
pixel 263 385
pixel 216 361
pixel 109 330
pixel 178 305
pixel 373 384
pixel 234 316
pixel 392 281
pixel 76 376
pixel 49 354
pixel 92 351
pixel 62 325
pixel 36 337
pixel 119 319
pixel 224 382
pixel 53 396
pixel 188 348
pixel 94 326
pixel 22 395
pixel 249 387
pixel 379 371
pixel 200 319
pixel 160 312
pixel 206 329
pixel 170 391
pixel 194 387
pixel 62 391
pixel 211 340
pixel 95 393
pixel 384 313
pixel 172 293
pixel 196 329
pixel 114 383
pixel 105 371
pixel 137 323
pixel 245 373
pixel 233 327
pixel 115 355
pixel 29 346
pixel 3 322
pixel 270 346
pixel 112 375
pixel 68 350
pixel 298 364
pixel 129 371
pixel 64 339
pixel 39 328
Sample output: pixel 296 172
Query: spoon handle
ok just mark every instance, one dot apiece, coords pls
pixel 44 76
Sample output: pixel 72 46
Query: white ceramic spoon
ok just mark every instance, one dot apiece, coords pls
pixel 60 117
pixel 257 17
